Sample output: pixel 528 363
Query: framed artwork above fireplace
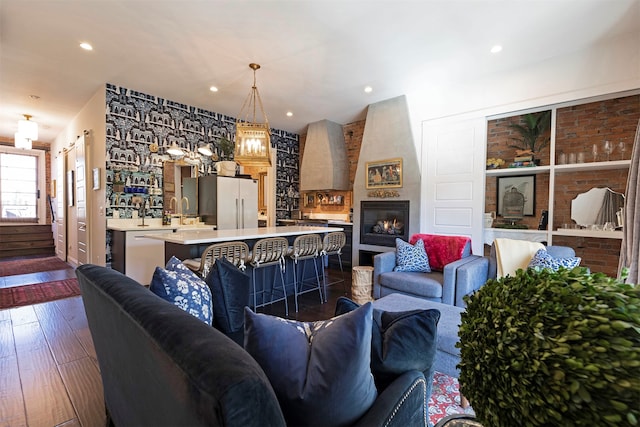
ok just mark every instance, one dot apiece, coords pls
pixel 384 173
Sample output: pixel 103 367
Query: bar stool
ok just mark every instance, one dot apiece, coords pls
pixel 265 253
pixel 235 252
pixel 332 244
pixel 306 247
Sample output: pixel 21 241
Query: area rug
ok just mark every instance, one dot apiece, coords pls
pixel 445 398
pixel 31 265
pixel 40 292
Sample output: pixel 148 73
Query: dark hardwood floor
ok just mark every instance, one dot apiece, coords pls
pixel 49 374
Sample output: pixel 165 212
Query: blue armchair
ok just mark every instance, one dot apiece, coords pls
pixel 457 278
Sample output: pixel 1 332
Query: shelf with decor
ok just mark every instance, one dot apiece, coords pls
pixel 532 170
pixel 561 188
pixel 581 232
pixel 593 166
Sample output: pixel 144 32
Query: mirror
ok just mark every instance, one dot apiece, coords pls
pixel 596 206
pixel 180 181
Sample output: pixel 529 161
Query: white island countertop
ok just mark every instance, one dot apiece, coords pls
pixel 194 237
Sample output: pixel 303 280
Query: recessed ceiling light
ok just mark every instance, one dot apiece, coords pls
pixel 368 89
pixel 213 89
pixel 34 97
pixel 497 48
pixel 289 114
pixel 86 46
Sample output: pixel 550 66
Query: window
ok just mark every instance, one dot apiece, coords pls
pixel 18 186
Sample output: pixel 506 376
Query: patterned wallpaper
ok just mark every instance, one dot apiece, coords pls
pixel 140 128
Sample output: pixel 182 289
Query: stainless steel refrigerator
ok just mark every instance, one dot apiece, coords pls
pixel 228 202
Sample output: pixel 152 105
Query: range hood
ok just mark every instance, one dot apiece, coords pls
pixel 325 165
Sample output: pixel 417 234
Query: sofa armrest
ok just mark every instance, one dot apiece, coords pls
pixel 403 403
pixel 470 277
pixel 382 263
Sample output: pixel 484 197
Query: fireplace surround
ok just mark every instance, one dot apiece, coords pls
pixel 381 222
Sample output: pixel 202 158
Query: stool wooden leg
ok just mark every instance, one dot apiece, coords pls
pixel 464 402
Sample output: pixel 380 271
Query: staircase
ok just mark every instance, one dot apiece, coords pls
pixel 24 240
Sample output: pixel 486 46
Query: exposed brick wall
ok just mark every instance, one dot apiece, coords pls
pixel 600 255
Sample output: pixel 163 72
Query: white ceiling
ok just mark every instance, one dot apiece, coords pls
pixel 316 55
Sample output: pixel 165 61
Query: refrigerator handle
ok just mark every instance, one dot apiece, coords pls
pixel 242 213
pixel 237 210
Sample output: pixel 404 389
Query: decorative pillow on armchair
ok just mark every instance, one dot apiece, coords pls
pixel 411 257
pixel 400 341
pixel 543 259
pixel 321 370
pixel 182 287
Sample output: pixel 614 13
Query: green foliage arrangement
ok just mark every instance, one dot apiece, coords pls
pixel 545 348
pixel 536 125
pixel 226 147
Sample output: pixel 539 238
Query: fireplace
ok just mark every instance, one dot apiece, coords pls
pixel 381 222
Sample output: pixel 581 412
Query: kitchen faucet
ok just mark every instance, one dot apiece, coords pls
pixel 184 199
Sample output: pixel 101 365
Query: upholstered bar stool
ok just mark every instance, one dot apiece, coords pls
pixel 306 247
pixel 235 252
pixel 332 244
pixel 265 253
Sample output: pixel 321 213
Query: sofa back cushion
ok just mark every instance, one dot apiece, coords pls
pixel 443 250
pixel 163 367
pixel 320 370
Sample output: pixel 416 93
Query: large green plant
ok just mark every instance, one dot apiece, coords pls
pixel 547 348
pixel 226 147
pixel 532 133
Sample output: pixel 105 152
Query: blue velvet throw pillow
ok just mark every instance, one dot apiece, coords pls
pixel 230 289
pixel 182 287
pixel 320 370
pixel 411 257
pixel 543 259
pixel 400 342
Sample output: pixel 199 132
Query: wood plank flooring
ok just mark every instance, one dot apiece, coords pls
pixel 49 373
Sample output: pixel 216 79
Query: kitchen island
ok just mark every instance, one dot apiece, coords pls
pixel 191 243
pixel 185 244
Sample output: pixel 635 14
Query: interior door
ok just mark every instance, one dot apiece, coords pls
pixel 454 178
pixel 81 200
pixel 61 217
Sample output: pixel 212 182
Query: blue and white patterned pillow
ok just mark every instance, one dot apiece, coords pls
pixel 542 259
pixel 411 258
pixel 182 287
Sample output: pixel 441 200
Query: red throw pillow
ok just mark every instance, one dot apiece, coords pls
pixel 441 250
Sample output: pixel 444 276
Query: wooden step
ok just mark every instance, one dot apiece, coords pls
pixel 26 239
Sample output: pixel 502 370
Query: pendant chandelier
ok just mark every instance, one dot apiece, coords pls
pixel 27 132
pixel 253 139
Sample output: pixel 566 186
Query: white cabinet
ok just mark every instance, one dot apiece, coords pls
pixel 142 255
pixel 237 203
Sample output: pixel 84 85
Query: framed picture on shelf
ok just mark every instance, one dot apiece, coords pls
pixel 523 184
pixel 309 200
pixel 384 173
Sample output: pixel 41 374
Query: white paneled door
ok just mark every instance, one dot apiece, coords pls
pixel 453 179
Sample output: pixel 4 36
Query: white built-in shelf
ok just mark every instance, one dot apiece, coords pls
pixel 525 170
pixel 576 167
pixel 580 232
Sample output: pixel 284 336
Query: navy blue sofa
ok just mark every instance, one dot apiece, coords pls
pixel 160 366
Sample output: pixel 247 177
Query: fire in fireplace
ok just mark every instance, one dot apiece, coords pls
pixel 381 222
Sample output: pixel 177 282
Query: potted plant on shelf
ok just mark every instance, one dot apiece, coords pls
pixel 551 347
pixel 226 166
pixel 533 136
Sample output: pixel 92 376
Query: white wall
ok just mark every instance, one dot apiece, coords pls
pixel 92 118
pixel 610 66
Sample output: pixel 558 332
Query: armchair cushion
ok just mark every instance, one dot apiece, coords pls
pixel 411 257
pixel 181 287
pixel 543 259
pixel 321 370
pixel 441 249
